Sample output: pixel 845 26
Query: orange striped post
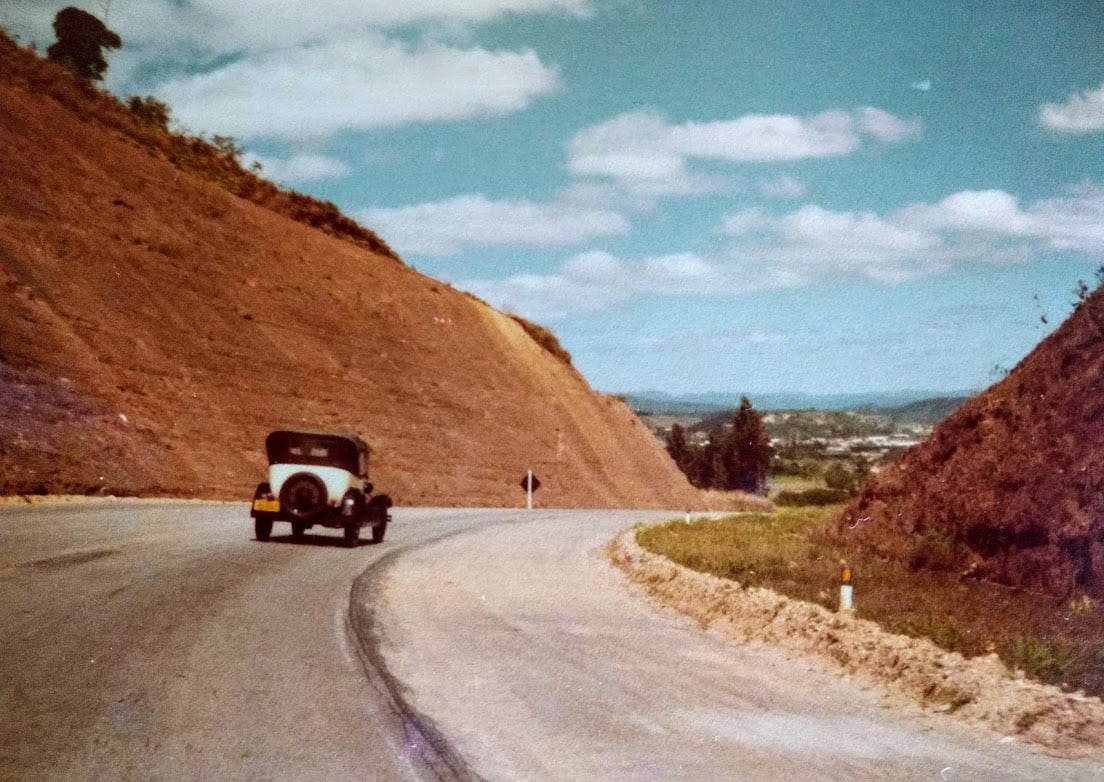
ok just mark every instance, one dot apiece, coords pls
pixel 846 590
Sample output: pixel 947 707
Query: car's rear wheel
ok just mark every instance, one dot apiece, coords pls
pixel 378 516
pixel 262 526
pixel 297 529
pixel 303 496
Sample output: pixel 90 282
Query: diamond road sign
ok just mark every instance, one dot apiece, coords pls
pixel 525 483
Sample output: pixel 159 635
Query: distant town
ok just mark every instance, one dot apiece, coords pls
pixel 806 443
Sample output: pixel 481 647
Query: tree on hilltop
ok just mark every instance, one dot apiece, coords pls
pixel 81 39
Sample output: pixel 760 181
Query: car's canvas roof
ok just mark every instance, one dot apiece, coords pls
pixel 277 443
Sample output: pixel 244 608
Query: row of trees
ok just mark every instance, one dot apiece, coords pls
pixel 735 458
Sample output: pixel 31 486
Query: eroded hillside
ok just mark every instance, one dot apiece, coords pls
pixel 154 327
pixel 1011 486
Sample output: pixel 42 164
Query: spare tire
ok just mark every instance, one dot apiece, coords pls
pixel 303 496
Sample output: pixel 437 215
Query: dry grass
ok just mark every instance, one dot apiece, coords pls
pixel 734 501
pixel 545 338
pixel 789 553
pixel 780 483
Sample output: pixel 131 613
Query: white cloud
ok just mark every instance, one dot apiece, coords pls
pixel 812 244
pixel 594 267
pixel 299 168
pixel 594 281
pixel 449 227
pixel 636 149
pixel 814 237
pixel 678 273
pixel 745 221
pixel 990 226
pixel 923 85
pixel 990 211
pixel 1074 222
pixel 541 297
pixel 767 138
pixel 254 68
pixel 642 150
pixel 315 91
pixel 852 232
pixel 1071 222
pixel 700 341
pixel 221 27
pixel 885 127
pixel 1083 112
pixel 674 273
pixel 784 186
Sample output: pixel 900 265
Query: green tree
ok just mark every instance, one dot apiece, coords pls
pixel 747 451
pixel 81 39
pixel 680 450
pixel 718 464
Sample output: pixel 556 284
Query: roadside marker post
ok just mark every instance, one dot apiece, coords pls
pixel 846 590
pixel 530 483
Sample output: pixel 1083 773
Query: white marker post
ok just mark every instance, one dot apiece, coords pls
pixel 846 590
pixel 529 484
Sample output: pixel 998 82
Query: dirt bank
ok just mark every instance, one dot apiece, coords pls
pixel 155 326
pixel 979 691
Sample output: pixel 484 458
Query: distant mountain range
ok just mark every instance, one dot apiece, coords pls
pixel 890 402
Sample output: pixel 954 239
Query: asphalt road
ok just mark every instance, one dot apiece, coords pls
pixel 158 641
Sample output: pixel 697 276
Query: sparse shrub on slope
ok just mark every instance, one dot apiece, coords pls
pixel 150 110
pixel 935 549
pixel 545 338
pixel 146 121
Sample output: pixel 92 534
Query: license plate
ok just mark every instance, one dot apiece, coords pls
pixel 266 506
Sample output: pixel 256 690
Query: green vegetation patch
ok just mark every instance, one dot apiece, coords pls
pixel 816 496
pixel 792 552
pixel 755 549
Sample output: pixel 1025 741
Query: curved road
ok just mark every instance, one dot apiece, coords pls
pixel 146 640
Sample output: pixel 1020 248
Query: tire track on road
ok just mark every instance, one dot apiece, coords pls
pixel 425 747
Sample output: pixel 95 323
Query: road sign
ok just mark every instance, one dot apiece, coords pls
pixel 525 482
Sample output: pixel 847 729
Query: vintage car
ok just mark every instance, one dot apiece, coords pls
pixel 319 479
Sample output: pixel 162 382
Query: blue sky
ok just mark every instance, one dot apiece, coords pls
pixel 702 196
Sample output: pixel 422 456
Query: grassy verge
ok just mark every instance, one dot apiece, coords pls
pixel 788 552
pixel 734 501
